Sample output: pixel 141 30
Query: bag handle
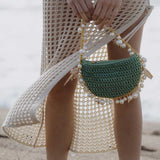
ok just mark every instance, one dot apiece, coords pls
pixel 118 41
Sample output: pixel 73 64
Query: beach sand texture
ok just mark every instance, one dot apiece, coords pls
pixel 11 150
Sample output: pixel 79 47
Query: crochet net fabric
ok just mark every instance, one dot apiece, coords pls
pixel 93 123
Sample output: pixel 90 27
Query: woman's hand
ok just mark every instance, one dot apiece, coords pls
pixel 82 8
pixel 103 10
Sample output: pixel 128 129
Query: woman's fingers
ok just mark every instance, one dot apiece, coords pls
pixel 108 14
pixel 106 10
pixel 102 15
pixel 75 11
pixel 82 8
pixel 81 11
pixel 97 11
pixel 90 7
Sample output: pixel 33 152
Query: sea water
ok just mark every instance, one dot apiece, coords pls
pixel 21 45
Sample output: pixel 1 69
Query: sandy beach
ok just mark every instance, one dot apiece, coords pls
pixel 11 150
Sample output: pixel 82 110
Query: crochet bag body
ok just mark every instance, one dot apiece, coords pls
pixel 112 78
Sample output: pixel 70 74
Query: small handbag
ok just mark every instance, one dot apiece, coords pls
pixel 120 79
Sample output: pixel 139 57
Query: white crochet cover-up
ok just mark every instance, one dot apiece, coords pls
pixel 93 122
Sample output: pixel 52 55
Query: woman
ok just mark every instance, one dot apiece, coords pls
pixel 128 117
pixel 59 117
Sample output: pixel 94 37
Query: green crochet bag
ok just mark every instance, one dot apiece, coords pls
pixel 120 79
pixel 112 78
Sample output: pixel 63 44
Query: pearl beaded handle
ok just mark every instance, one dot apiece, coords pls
pixel 119 41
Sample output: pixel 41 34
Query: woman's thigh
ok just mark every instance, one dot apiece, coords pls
pixel 115 52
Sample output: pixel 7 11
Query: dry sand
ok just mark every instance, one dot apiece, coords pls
pixel 11 150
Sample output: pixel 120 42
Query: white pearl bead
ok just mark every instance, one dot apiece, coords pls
pixel 130 97
pixel 84 47
pixel 141 85
pixel 121 101
pixel 131 53
pixel 96 99
pixel 135 95
pixel 123 45
pixel 142 72
pixel 82 50
pixel 80 71
pixel 110 101
pixel 112 34
pixel 79 30
pixel 119 37
pixel 117 101
pixel 102 101
pixel 80 80
pixel 144 77
pixel 143 64
pixel 79 66
pixel 89 94
pixel 144 59
pixel 107 100
pixel 125 98
pixel 83 25
pixel 129 50
pixel 119 42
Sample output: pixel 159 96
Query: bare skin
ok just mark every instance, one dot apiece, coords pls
pixel 59 114
pixel 128 116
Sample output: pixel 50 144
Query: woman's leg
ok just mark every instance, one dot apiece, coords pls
pixel 128 116
pixel 59 119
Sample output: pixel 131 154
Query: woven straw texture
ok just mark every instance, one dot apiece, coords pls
pixel 112 78
pixel 93 123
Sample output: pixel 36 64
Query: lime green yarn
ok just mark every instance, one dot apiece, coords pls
pixel 112 78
